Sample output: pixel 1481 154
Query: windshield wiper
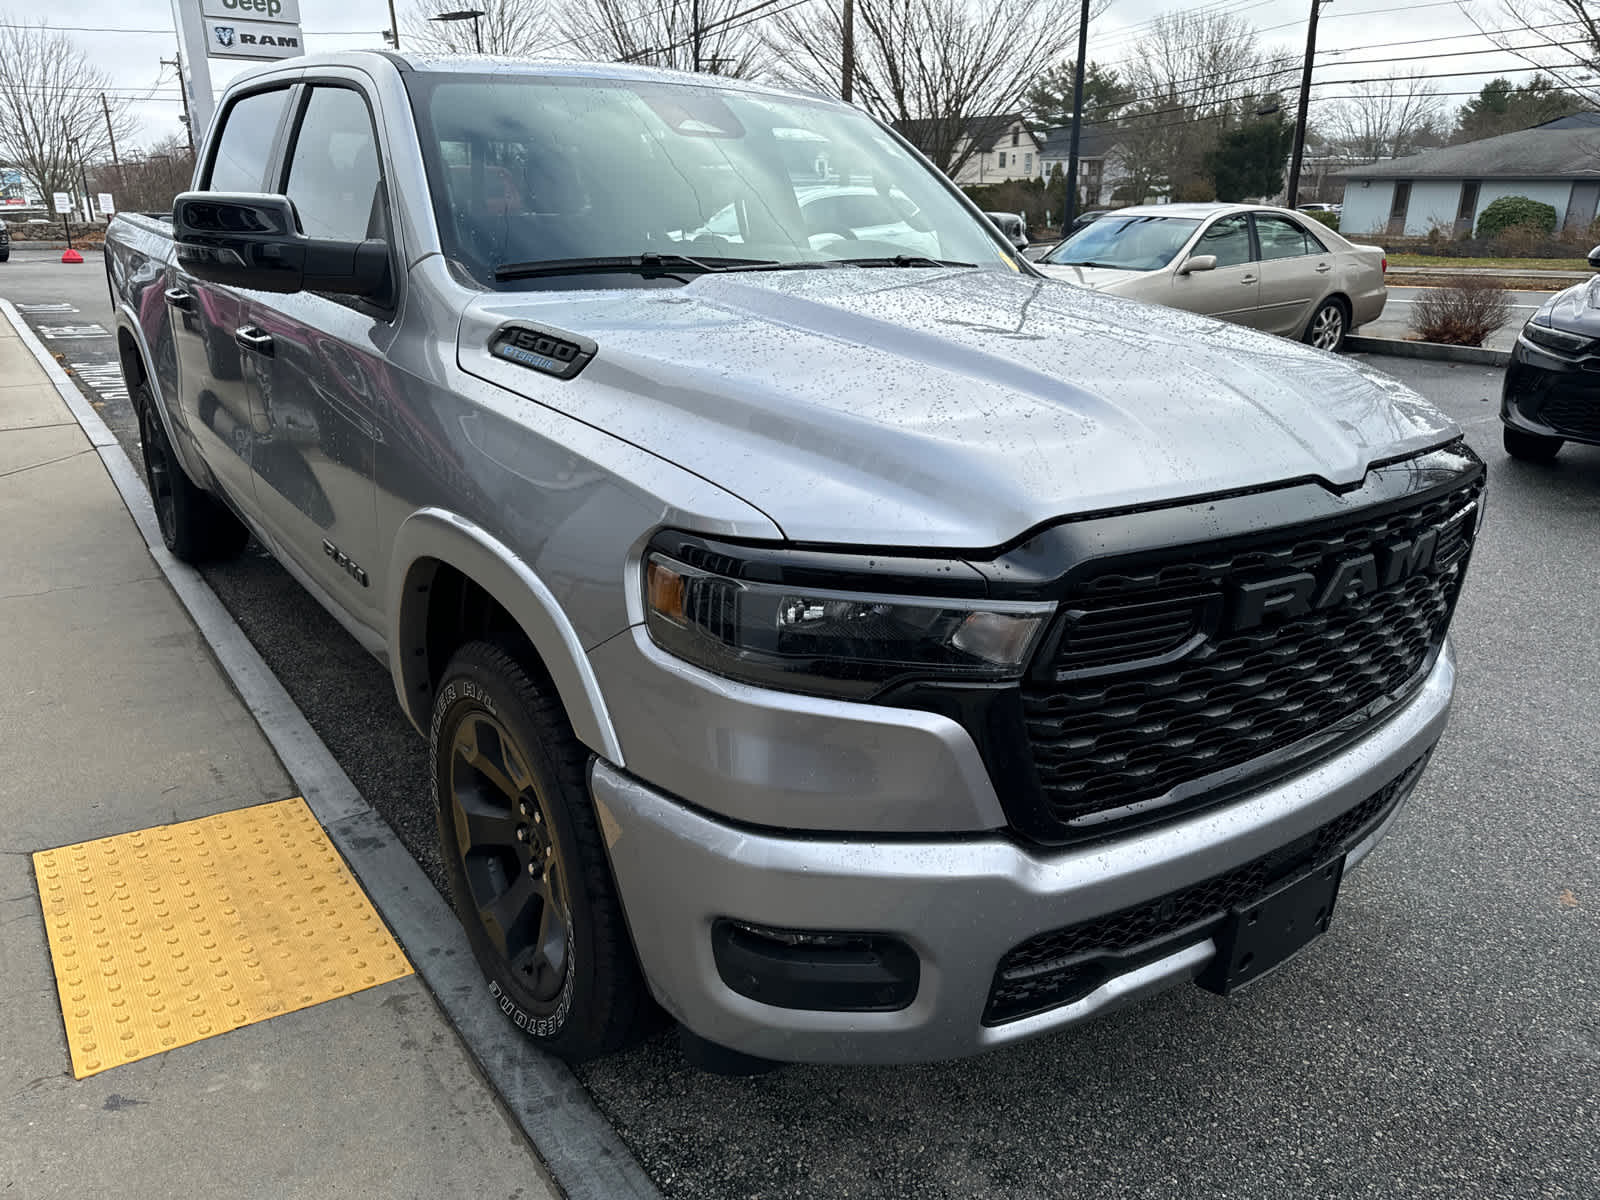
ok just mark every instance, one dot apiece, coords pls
pixel 1085 262
pixel 650 265
pixel 903 260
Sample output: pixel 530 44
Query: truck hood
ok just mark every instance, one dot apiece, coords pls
pixel 1576 310
pixel 959 408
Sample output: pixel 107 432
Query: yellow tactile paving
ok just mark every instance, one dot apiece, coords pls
pixel 173 934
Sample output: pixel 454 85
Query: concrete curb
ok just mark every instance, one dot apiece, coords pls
pixel 1475 355
pixel 582 1151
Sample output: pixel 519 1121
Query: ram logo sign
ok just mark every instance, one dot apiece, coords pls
pixel 253 39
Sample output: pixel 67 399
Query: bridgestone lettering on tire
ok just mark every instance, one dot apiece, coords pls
pixel 522 851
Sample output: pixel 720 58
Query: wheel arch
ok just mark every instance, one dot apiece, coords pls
pixel 133 353
pixel 437 556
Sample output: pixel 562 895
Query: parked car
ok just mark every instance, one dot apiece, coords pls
pixel 5 243
pixel 1269 268
pixel 1551 395
pixel 677 557
pixel 1013 226
pixel 1322 208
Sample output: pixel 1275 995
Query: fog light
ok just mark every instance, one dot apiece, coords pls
pixel 814 969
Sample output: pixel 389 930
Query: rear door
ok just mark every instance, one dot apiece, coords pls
pixel 214 385
pixel 321 359
pixel 1232 291
pixel 1296 273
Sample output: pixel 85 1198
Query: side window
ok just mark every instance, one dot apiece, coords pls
pixel 334 179
pixel 1280 238
pixel 1229 240
pixel 248 127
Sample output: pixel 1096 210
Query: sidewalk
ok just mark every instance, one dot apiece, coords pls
pixel 116 718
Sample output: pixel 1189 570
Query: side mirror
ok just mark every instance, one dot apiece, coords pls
pixel 248 241
pixel 1198 262
pixel 1594 258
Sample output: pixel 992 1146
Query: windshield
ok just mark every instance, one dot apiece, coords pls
pixel 1127 243
pixel 528 170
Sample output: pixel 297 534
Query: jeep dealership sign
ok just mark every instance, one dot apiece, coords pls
pixel 253 29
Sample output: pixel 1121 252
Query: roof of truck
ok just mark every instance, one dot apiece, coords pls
pixel 489 64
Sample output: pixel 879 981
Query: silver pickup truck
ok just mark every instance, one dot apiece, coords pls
pixel 823 625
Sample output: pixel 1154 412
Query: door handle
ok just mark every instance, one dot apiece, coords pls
pixel 1323 268
pixel 1248 279
pixel 179 298
pixel 251 338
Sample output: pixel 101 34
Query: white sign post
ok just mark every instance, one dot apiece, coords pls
pixel 197 84
pixel 106 206
pixel 63 202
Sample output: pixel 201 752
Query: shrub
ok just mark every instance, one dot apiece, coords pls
pixel 1330 219
pixel 1511 211
pixel 1463 312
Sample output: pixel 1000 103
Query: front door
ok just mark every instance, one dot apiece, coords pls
pixel 214 379
pixel 317 358
pixel 1232 290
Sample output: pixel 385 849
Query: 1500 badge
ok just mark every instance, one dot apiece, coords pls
pixel 551 351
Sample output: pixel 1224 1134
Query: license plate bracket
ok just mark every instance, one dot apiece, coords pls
pixel 1259 937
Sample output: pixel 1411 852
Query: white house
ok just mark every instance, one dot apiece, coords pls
pixel 1557 163
pixel 1003 148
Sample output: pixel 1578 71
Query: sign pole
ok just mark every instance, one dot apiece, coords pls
pixel 197 73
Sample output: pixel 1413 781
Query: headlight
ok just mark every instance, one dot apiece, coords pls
pixel 831 642
pixel 1556 339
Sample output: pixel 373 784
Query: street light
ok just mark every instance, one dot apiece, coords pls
pixel 465 14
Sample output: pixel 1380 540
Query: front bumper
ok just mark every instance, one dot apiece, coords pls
pixel 960 904
pixel 1552 396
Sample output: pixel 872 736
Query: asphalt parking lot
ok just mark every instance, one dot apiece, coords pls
pixel 1442 1041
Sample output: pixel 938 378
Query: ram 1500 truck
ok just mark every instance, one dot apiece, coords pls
pixel 822 624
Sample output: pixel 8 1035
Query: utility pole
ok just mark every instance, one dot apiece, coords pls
pixel 183 94
pixel 847 73
pixel 1071 208
pixel 111 135
pixel 694 34
pixel 1305 101
pixel 394 27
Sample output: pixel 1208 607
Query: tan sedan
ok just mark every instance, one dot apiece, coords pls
pixel 1268 268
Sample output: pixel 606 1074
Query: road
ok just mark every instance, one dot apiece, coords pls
pixel 1442 1041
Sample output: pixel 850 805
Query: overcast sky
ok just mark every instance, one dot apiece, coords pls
pixel 142 36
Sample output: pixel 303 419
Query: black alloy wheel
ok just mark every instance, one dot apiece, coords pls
pixel 527 867
pixel 195 525
pixel 515 878
pixel 158 473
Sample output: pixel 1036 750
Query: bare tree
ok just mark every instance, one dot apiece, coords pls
pixel 936 63
pixel 717 37
pixel 517 28
pixel 1386 119
pixel 1196 75
pixel 50 112
pixel 148 181
pixel 1561 36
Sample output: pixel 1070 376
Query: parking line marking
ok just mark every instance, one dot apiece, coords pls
pixel 166 936
pixel 93 330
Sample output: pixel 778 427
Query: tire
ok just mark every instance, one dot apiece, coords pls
pixel 526 864
pixel 1531 447
pixel 1328 326
pixel 195 525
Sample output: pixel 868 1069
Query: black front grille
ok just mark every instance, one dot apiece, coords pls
pixel 1065 965
pixel 1573 413
pixel 1143 699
